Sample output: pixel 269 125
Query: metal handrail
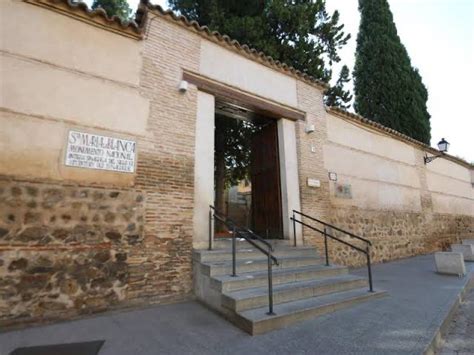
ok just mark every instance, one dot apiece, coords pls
pixel 326 235
pixel 332 226
pixel 241 231
pixel 255 235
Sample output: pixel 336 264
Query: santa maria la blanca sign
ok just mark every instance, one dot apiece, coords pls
pixel 92 151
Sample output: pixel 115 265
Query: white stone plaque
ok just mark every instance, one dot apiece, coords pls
pixel 314 182
pixel 92 151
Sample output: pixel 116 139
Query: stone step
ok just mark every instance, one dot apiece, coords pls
pixel 226 243
pixel 250 253
pixel 468 241
pixel 251 265
pixel 225 283
pixel 242 300
pixel 257 321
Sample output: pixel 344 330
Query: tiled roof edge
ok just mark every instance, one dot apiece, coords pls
pixel 97 17
pixel 393 133
pixel 225 40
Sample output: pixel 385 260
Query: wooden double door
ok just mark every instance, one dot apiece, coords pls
pixel 266 184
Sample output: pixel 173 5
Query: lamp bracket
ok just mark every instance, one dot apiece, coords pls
pixel 428 159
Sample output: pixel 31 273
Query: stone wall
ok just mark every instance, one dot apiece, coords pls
pixel 76 241
pixel 65 250
pixel 394 197
pixel 395 234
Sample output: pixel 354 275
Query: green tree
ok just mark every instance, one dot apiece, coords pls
pixel 387 88
pixel 336 96
pixel 298 32
pixel 232 156
pixel 119 8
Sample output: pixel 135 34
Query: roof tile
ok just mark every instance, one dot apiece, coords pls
pixel 96 17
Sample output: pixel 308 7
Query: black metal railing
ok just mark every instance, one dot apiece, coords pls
pixel 327 235
pixel 249 236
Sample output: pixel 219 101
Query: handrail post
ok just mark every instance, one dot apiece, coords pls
pixel 234 274
pixel 326 246
pixel 270 286
pixel 294 228
pixel 369 268
pixel 211 229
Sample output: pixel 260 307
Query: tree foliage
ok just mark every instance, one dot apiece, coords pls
pixel 387 88
pixel 336 96
pixel 298 32
pixel 119 8
pixel 233 146
pixel 233 139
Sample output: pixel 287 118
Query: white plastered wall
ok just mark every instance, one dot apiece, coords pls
pixel 203 169
pixel 450 185
pixel 233 69
pixel 290 190
pixel 58 74
pixel 384 173
pixel 381 171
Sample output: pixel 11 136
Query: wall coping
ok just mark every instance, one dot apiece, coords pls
pixel 98 18
pixel 393 134
pixel 225 41
pixel 136 29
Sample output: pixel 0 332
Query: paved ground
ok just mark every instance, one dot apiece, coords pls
pixel 460 336
pixel 402 323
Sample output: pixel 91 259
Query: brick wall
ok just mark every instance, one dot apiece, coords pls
pixel 165 168
pixel 314 201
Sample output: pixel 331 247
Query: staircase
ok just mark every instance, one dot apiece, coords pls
pixel 303 286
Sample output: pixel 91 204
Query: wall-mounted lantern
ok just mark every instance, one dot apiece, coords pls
pixel 443 146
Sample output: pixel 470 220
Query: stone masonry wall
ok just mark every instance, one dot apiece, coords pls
pixel 68 249
pixel 65 250
pixel 396 235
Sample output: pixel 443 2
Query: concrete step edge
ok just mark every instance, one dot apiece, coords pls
pixel 245 266
pixel 226 283
pixel 239 301
pixel 254 324
pixel 222 255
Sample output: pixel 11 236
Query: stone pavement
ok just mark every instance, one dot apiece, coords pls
pixel 404 322
pixel 459 339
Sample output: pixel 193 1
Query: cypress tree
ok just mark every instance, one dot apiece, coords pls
pixel 387 88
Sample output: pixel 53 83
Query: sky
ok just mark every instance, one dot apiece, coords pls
pixel 439 37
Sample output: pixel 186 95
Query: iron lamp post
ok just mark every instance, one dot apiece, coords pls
pixel 443 146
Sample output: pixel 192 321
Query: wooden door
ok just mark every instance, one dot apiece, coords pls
pixel 265 178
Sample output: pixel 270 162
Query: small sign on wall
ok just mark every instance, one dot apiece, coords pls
pixel 343 190
pixel 313 182
pixel 93 151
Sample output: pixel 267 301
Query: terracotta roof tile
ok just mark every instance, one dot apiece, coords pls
pixel 225 40
pixel 136 28
pixel 97 17
pixel 391 131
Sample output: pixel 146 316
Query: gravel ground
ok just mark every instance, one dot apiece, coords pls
pixel 460 336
